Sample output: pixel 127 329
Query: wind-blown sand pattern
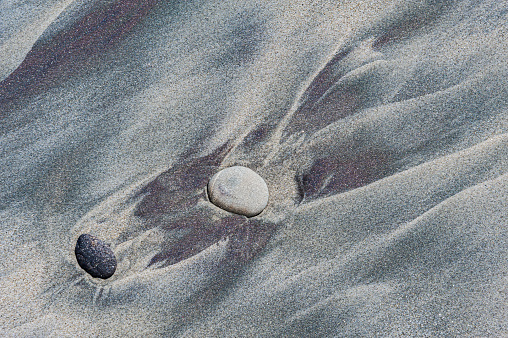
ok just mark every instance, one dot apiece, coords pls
pixel 380 128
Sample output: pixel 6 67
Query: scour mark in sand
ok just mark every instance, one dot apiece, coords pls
pixel 332 95
pixel 181 186
pixel 201 232
pixel 304 118
pixel 409 23
pixel 171 203
pixel 333 175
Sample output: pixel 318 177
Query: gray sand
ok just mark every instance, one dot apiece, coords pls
pixel 380 127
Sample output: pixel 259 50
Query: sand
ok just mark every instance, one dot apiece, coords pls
pixel 380 128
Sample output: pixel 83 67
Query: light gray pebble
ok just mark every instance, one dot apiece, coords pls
pixel 239 190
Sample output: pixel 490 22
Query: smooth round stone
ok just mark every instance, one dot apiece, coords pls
pixel 238 189
pixel 95 257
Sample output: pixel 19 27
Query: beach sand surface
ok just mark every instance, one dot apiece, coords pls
pixel 380 128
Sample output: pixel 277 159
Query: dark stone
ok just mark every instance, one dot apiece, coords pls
pixel 95 257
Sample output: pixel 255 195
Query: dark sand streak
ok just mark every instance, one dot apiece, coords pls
pixel 48 64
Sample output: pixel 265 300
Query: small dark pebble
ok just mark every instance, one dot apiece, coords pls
pixel 95 257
